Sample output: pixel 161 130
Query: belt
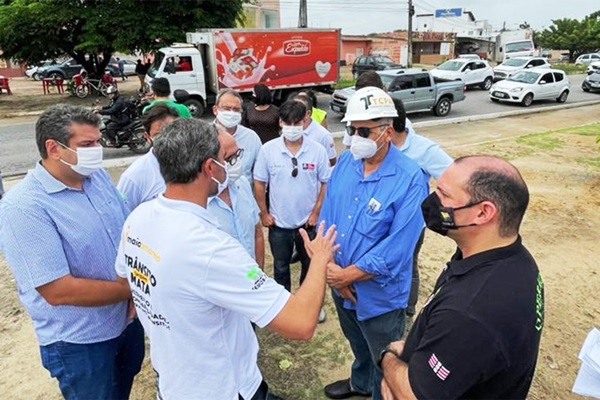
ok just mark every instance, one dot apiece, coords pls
pixel 262 393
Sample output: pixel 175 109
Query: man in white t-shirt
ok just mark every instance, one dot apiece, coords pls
pixel 316 131
pixel 196 289
pixel 228 110
pixel 142 181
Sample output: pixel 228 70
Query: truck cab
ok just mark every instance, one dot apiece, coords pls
pixel 183 66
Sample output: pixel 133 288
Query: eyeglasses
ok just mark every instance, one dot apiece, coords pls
pixel 295 164
pixel 232 159
pixel 229 108
pixel 363 132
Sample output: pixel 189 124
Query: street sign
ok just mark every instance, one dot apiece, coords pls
pixel 448 12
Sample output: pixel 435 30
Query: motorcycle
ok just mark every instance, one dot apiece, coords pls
pixel 132 135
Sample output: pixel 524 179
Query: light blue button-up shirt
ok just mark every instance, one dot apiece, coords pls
pixel 239 222
pixel 427 153
pixel 378 221
pixel 48 231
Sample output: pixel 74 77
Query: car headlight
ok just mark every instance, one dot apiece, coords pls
pixel 516 90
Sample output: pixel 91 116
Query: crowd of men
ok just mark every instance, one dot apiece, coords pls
pixel 176 251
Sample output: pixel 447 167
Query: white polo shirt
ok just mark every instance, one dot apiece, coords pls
pixel 195 291
pixel 320 134
pixel 239 222
pixel 248 140
pixel 142 181
pixel 292 199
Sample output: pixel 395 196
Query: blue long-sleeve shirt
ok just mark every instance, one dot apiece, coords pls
pixel 379 221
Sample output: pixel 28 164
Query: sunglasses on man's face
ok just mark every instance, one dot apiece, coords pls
pixel 295 164
pixel 363 132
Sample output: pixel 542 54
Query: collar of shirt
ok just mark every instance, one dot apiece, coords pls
pixel 284 149
pixel 51 184
pixel 460 266
pixel 407 141
pixel 232 195
pixel 386 168
pixel 187 206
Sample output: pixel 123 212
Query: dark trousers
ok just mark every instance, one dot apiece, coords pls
pixel 367 338
pixel 414 285
pixel 112 128
pixel 282 246
pixel 262 393
pixel 101 371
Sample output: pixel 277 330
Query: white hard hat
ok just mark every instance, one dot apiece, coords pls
pixel 370 103
pixel 111 89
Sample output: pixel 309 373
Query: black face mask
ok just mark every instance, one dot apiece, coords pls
pixel 438 218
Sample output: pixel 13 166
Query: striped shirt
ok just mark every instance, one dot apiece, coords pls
pixel 49 230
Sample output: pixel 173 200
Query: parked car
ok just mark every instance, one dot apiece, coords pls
pixel 593 67
pixel 591 83
pixel 469 56
pixel 417 88
pixel 513 65
pixel 586 59
pixel 129 67
pixel 524 87
pixel 564 57
pixel 471 72
pixel 372 63
pixel 33 70
pixel 70 68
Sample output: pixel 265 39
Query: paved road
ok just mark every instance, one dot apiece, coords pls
pixel 18 151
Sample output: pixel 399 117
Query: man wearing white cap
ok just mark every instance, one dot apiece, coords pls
pixel 373 197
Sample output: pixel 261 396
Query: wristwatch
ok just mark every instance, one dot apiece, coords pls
pixel 384 352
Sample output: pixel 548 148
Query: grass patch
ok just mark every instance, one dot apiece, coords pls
pixel 571 69
pixel 344 83
pixel 593 162
pixel 541 141
pixel 584 130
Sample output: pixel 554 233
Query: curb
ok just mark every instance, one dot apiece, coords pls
pixel 450 121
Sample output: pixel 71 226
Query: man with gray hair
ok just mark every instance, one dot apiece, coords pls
pixel 228 110
pixel 196 295
pixel 59 234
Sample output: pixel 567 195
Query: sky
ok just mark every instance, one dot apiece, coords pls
pixel 368 16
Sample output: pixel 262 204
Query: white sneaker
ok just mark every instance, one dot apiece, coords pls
pixel 322 315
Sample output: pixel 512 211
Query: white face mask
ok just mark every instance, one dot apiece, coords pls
pixel 362 148
pixel 234 171
pixel 89 159
pixel 221 185
pixel 292 133
pixel 229 119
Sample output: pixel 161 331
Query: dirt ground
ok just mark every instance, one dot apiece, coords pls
pixel 562 169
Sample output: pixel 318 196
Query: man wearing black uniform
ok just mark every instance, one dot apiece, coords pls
pixel 118 111
pixel 478 334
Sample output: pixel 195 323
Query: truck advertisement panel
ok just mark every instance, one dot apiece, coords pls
pixel 276 58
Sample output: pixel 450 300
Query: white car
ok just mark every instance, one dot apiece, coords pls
pixel 471 72
pixel 533 84
pixel 33 71
pixel 469 56
pixel 512 65
pixel 587 58
pixel 593 67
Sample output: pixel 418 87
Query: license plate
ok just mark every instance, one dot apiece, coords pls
pixel 499 94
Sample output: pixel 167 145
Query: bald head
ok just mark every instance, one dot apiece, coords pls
pixel 228 144
pixel 498 181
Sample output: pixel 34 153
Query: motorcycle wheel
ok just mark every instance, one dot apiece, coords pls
pixel 138 143
pixel 82 91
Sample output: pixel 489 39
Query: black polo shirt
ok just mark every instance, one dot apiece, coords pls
pixel 478 335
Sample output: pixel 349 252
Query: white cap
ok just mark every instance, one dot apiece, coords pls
pixel 370 103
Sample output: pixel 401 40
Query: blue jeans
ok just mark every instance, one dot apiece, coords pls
pixel 367 339
pixel 102 371
pixel 282 246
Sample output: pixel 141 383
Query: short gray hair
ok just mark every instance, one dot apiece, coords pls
pixel 231 92
pixel 55 124
pixel 182 148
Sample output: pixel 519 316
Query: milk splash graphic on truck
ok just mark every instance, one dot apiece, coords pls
pixel 243 68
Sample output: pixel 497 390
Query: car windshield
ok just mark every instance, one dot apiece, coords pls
pixel 515 62
pixel 525 77
pixel 451 66
pixel 525 45
pixel 387 80
pixel 156 64
pixel 384 60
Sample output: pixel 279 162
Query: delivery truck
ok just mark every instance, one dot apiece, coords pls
pixel 511 44
pixel 285 60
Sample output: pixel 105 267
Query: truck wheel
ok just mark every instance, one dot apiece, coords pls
pixel 196 107
pixel 527 100
pixel 487 83
pixel 442 108
pixel 563 97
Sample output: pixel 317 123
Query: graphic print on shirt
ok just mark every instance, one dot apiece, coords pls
pixel 258 276
pixel 438 368
pixel 539 304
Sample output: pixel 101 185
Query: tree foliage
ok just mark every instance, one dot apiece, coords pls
pixel 576 36
pixel 32 31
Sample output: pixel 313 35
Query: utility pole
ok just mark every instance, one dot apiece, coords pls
pixel 303 15
pixel 411 12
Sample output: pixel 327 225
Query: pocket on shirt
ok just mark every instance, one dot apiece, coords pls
pixel 373 225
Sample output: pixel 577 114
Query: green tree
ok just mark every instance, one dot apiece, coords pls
pixel 32 31
pixel 576 36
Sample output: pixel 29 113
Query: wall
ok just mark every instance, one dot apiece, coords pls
pixel 351 49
